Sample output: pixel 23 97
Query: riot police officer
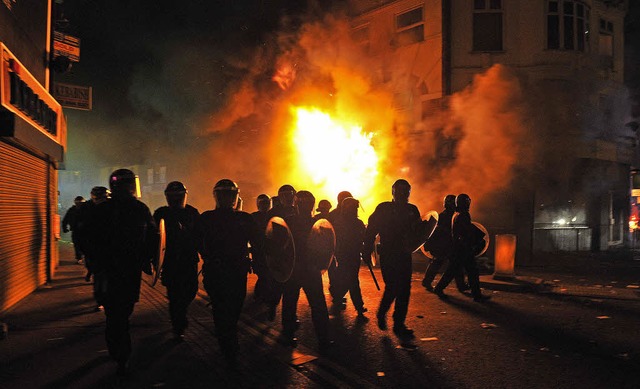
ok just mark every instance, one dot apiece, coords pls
pixel 261 216
pixel 284 206
pixel 337 299
pixel 394 222
pixel 349 237
pixel 180 268
pixel 99 194
pixel 440 244
pixel 222 236
pixel 306 275
pixel 70 223
pixel 322 212
pixel 466 242
pixel 125 238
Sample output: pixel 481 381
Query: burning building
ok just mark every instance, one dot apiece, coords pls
pixel 519 103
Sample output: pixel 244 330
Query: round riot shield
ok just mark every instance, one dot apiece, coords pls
pixel 279 249
pixel 427 216
pixel 481 233
pixel 321 244
pixel 419 234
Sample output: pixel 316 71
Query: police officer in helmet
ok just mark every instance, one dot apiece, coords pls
pixel 440 244
pixel 394 221
pixel 125 238
pixel 222 237
pixel 466 242
pixel 180 268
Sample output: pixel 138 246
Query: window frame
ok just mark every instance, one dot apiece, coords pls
pixel 487 9
pixel 580 41
pixel 405 30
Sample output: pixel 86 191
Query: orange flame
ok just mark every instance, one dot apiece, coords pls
pixel 333 155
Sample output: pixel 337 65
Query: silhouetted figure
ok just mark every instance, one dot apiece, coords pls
pixel 394 222
pixel 322 212
pixel 306 275
pixel 180 268
pixel 441 246
pixel 263 285
pixel 86 213
pixel 223 235
pixel 338 301
pixel 282 207
pixel 466 242
pixel 70 223
pixel 349 240
pixel 125 239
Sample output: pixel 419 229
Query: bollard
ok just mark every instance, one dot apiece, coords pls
pixel 505 256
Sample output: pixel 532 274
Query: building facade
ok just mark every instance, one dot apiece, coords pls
pixel 568 55
pixel 32 145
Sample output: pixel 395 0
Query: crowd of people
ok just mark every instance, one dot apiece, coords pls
pixel 117 236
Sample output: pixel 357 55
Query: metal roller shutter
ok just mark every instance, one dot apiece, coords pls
pixel 24 242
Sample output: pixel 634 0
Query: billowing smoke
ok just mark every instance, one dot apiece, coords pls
pixel 469 145
pixel 211 108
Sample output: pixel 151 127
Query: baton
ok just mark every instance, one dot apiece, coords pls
pixel 375 281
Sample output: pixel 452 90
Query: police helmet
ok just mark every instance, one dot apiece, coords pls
pixel 305 201
pixel 176 194
pixel 350 206
pixel 263 202
pixel 401 190
pixel 99 194
pixel 122 182
pixel 225 192
pixel 343 195
pixel 463 202
pixel 450 202
pixel 286 194
pixel 323 206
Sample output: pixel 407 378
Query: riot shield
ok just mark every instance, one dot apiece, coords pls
pixel 321 244
pixel 279 249
pixel 158 261
pixel 419 234
pixel 480 233
pixel 431 214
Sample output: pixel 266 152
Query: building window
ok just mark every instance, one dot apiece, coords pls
pixel 487 25
pixel 567 25
pixel 605 41
pixel 410 26
pixel 360 35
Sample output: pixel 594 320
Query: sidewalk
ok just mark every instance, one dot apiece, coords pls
pixel 56 340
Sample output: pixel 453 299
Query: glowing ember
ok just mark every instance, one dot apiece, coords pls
pixel 333 156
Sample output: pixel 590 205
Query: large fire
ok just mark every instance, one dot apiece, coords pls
pixel 332 155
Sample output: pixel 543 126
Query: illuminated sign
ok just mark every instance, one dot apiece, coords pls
pixel 23 95
pixel 66 45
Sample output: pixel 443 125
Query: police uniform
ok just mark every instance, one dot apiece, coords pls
pixel 180 268
pixel 393 221
pixel 125 237
pixel 307 276
pixel 349 239
pixel 222 236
